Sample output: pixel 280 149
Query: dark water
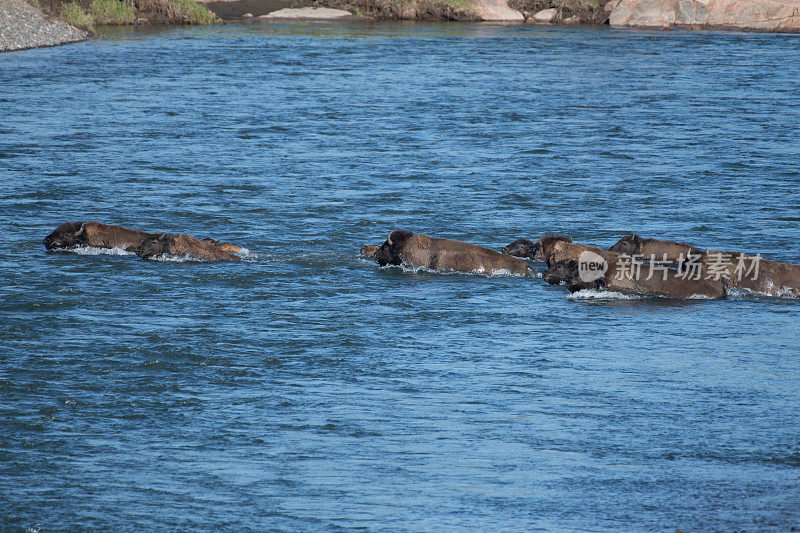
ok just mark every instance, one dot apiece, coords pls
pixel 307 389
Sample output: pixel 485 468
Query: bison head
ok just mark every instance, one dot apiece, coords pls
pixel 561 272
pixel 546 245
pixel 628 245
pixel 521 248
pixel 368 250
pixel 389 251
pixel 566 272
pixel 67 235
pixel 154 245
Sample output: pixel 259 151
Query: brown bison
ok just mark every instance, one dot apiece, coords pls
pixel 407 248
pixel 666 283
pixel 734 269
pixel 533 250
pixel 71 235
pixel 753 273
pixel 164 244
pixel 668 251
pixel 555 249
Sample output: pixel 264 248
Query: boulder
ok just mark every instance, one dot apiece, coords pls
pixel 545 15
pixel 307 13
pixel 766 15
pixel 496 10
pixel 23 26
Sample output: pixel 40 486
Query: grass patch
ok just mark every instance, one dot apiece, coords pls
pixel 196 13
pixel 112 12
pixel 463 4
pixel 76 16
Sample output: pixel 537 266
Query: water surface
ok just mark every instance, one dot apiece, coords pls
pixel 308 389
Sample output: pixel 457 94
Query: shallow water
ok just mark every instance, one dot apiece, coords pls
pixel 306 388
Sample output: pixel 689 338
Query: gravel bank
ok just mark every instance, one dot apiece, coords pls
pixel 23 26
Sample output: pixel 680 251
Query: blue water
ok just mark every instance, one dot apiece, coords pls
pixel 308 389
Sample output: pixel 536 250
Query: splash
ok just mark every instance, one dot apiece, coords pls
pixel 741 294
pixel 500 272
pixel 246 255
pixel 92 250
pixel 174 258
pixel 597 294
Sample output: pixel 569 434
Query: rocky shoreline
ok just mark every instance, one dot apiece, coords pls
pixel 40 23
pixel 22 26
pixel 750 15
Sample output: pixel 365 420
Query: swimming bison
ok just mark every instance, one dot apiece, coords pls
pixel 164 244
pixel 407 248
pixel 70 235
pixel 734 269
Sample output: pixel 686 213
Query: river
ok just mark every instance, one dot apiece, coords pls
pixel 308 389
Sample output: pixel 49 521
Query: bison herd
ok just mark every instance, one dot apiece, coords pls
pixel 647 267
pixel 71 235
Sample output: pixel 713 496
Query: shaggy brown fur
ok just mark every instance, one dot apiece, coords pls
pixel 534 250
pixel 773 278
pixel 73 234
pixel 224 246
pixel 666 251
pixel 674 286
pixel 406 248
pixel 184 246
pixel 368 250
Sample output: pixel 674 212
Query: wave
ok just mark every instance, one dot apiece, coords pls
pixel 246 255
pixel 174 258
pixel 500 272
pixel 597 294
pixel 92 250
pixel 740 294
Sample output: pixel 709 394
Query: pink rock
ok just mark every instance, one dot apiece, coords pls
pixel 545 15
pixel 768 15
pixel 496 10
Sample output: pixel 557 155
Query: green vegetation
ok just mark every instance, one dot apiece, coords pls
pixel 589 11
pixel 196 13
pixel 74 14
pixel 462 4
pixel 88 14
pixel 112 12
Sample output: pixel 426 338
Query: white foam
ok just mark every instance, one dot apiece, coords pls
pixel 173 258
pixel 783 292
pixel 597 294
pixel 738 293
pixel 500 272
pixel 92 250
pixel 246 255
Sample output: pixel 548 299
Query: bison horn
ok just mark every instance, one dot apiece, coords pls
pixel 389 239
pixel 80 231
